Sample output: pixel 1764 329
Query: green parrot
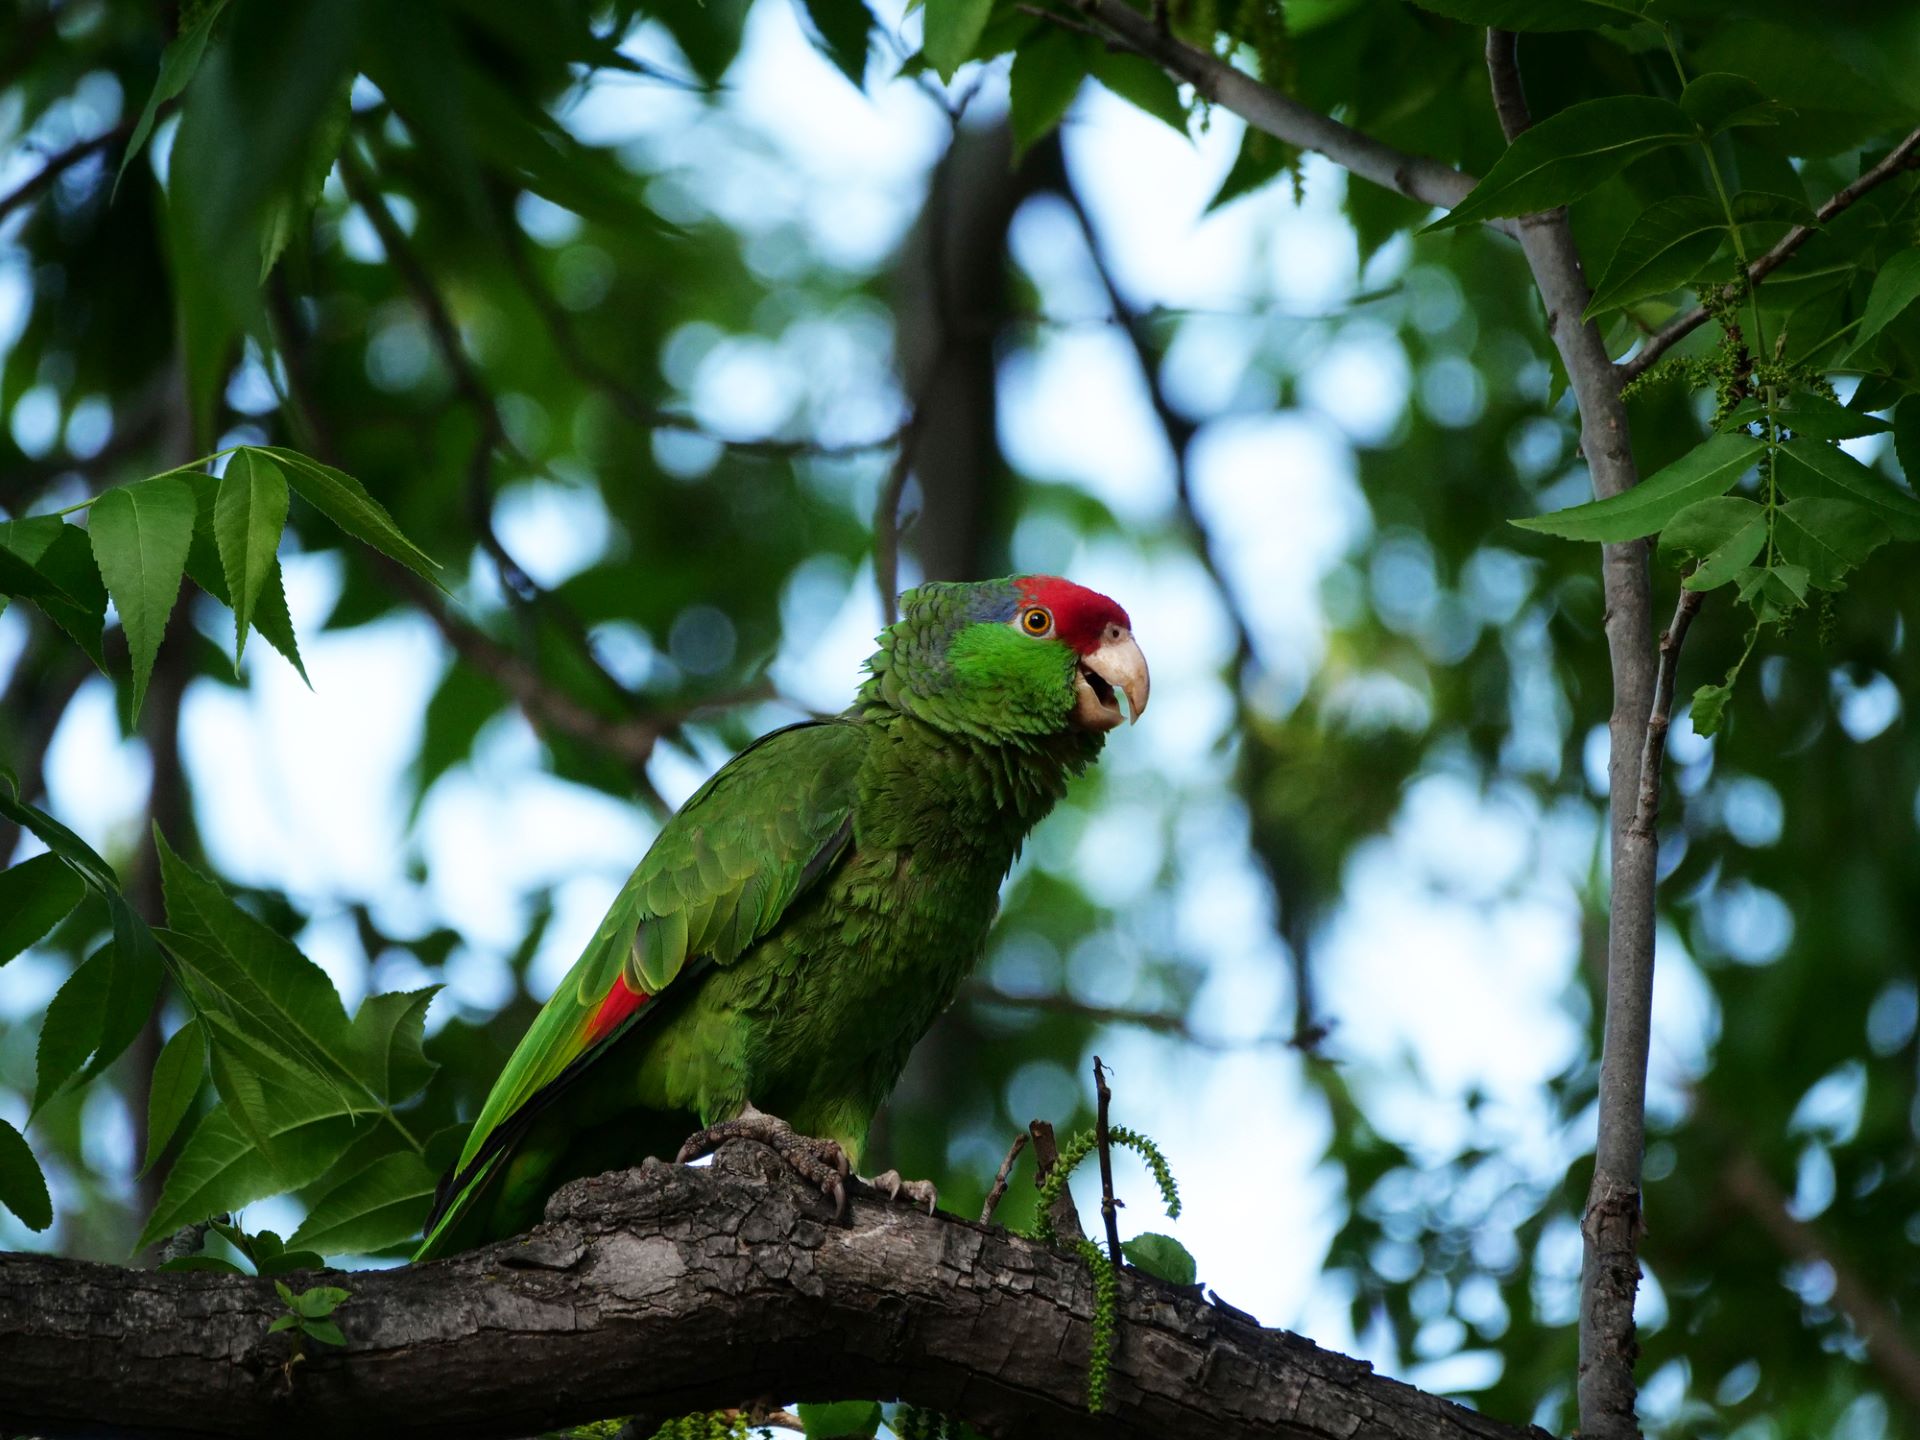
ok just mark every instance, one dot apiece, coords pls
pixel 796 927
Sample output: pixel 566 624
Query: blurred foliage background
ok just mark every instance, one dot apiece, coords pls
pixel 638 318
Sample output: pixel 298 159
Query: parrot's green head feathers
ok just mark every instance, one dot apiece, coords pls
pixel 1010 661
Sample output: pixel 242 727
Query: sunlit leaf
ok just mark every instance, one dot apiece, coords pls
pixel 840 1419
pixel 345 501
pixel 952 29
pixel 1162 1257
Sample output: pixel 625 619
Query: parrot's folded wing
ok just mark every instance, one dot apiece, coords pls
pixel 719 876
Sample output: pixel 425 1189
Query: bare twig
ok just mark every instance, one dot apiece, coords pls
pixel 1063 1214
pixel 58 165
pixel 1000 1179
pixel 1160 1021
pixel 1103 1142
pixel 1653 755
pixel 1903 157
pixel 886 525
pixel 1418 177
pixel 1610 1274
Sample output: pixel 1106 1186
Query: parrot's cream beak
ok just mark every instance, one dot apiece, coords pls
pixel 1116 666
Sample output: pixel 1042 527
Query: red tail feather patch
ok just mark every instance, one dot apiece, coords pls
pixel 621 1001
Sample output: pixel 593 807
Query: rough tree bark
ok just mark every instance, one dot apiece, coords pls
pixel 664 1290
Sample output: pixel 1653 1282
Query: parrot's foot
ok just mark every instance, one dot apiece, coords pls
pixel 821 1163
pixel 913 1192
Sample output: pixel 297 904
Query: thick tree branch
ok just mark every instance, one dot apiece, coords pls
pixel 663 1290
pixel 1418 177
pixel 1610 1273
pixel 1903 157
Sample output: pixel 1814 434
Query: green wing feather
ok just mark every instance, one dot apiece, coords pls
pixel 718 877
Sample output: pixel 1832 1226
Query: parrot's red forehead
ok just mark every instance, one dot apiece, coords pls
pixel 1080 615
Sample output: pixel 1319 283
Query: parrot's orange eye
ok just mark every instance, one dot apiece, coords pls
pixel 1037 620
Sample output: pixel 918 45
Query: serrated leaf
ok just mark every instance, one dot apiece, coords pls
pixel 1895 288
pixel 1568 154
pixel 1814 415
pixel 23 1189
pixel 79 856
pixel 378 1206
pixel 1720 101
pixel 286 211
pixel 47 561
pixel 1827 537
pixel 345 501
pixel 952 29
pixel 35 895
pixel 1162 1257
pixel 1723 533
pixel 1708 469
pixel 840 1419
pixel 1813 468
pixel 204 568
pixel 387 1033
pixel 70 1029
pixel 1047 74
pixel 140 535
pixel 177 1076
pixel 1774 591
pixel 843 28
pixel 1709 708
pixel 249 512
pixel 220 1169
pixel 178 64
pixel 1662 250
pixel 1260 159
pixel 1906 438
pixel 1142 83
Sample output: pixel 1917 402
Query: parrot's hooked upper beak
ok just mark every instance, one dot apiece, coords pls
pixel 1116 664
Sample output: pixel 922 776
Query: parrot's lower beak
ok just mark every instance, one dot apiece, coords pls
pixel 1118 666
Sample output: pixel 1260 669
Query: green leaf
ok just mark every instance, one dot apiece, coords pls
pixel 1709 708
pixel 378 1206
pixel 1534 15
pixel 1906 438
pixel 952 30
pixel 214 1263
pixel 387 1034
pixel 35 896
pixel 249 512
pixel 23 1189
pixel 1568 154
pixel 285 1262
pixel 841 1419
pixel 1723 533
pixel 1140 81
pixel 843 28
pixel 1814 468
pixel 1754 207
pixel 1827 537
pixel 1708 469
pixel 70 1029
pixel 204 568
pixel 254 974
pixel 325 1331
pixel 47 561
pixel 1720 101
pixel 319 1302
pixel 286 211
pixel 176 1080
pixel 1162 1257
pixel 1047 73
pixel 283 1322
pixel 79 856
pixel 345 501
pixel 140 534
pixel 220 1169
pixel 1662 250
pixel 1895 288
pixel 1775 591
pixel 178 62
pixel 1814 415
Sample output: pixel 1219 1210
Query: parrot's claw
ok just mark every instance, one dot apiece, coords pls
pixel 915 1192
pixel 821 1163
